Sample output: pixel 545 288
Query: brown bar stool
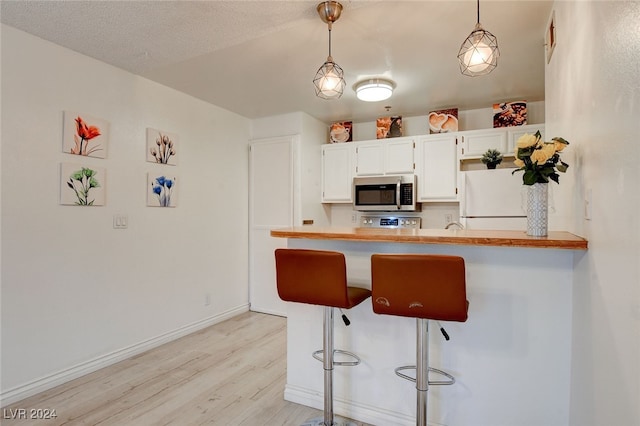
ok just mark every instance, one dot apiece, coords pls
pixel 319 277
pixel 425 287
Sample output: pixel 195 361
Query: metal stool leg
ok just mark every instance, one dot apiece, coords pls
pixel 422 370
pixel 328 363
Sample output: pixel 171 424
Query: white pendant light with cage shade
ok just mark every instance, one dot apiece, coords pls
pixel 479 53
pixel 329 80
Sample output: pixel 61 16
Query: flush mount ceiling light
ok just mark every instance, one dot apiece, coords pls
pixel 374 90
pixel 479 53
pixel 329 80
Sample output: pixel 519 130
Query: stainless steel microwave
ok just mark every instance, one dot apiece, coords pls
pixel 385 193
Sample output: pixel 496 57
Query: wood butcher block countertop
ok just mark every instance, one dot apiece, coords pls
pixel 467 237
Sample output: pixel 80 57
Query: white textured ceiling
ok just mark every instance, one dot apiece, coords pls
pixel 258 58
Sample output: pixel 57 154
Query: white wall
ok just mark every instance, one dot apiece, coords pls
pixel 313 133
pixel 76 293
pixel 593 100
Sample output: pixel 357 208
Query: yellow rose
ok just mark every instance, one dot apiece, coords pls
pixel 543 154
pixel 526 141
pixel 519 163
pixel 559 146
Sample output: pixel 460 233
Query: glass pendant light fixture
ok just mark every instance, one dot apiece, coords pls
pixel 479 53
pixel 329 80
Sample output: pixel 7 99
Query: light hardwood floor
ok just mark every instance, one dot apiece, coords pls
pixel 232 373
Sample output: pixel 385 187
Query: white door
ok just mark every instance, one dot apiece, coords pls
pixel 273 202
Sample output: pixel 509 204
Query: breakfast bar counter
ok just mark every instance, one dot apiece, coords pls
pixel 555 239
pixel 511 359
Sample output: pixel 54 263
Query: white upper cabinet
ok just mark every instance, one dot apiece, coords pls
pixel 514 134
pixel 474 143
pixel 369 158
pixel 385 157
pixel 399 155
pixel 432 158
pixel 436 168
pixel 337 172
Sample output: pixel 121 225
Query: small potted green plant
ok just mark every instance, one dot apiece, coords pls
pixel 492 158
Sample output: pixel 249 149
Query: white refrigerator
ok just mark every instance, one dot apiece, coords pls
pixel 493 199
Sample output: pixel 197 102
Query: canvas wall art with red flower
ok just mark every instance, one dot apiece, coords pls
pixel 85 135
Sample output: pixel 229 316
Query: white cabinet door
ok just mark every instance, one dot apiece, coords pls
pixel 337 172
pixel 369 158
pixel 437 168
pixel 475 143
pixel 385 157
pixel 273 176
pixel 514 134
pixel 399 156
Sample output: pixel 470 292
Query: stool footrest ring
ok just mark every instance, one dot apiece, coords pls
pixel 451 380
pixel 317 356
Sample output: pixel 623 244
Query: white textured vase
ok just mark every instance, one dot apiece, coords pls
pixel 537 209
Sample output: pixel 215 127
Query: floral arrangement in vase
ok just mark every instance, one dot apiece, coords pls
pixel 539 160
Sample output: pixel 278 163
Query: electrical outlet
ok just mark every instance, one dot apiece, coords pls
pixel 207 299
pixel 354 218
pixel 448 218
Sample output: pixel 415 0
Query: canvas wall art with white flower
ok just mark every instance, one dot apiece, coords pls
pixel 162 147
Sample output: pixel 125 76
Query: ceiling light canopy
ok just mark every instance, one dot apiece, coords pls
pixel 329 80
pixel 374 90
pixel 479 53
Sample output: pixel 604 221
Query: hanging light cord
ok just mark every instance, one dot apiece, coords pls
pixel 478 8
pixel 330 38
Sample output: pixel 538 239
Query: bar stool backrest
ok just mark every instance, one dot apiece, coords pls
pixel 316 277
pixel 419 286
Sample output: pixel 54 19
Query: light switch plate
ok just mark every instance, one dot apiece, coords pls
pixel 587 204
pixel 120 221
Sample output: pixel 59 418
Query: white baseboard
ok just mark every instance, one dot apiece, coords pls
pixel 356 411
pixel 42 384
pixel 262 310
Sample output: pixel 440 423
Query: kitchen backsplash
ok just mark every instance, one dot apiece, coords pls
pixel 433 215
